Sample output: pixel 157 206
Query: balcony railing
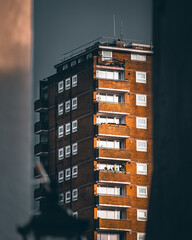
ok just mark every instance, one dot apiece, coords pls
pixel 113 200
pixel 41 127
pixel 41 105
pixel 113 224
pixel 111 107
pixel 112 177
pixel 41 149
pixel 112 130
pixel 114 154
pixel 113 85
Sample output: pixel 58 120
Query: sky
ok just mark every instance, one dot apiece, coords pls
pixel 62 25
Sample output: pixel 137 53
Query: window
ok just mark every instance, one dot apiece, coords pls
pixel 74 126
pixel 67 151
pixel 106 143
pixel 75 214
pixel 60 153
pixel 74 81
pixel 67 83
pixel 67 106
pixel 141 122
pixel 141 100
pixel 108 236
pixel 74 148
pixel 60 87
pixel 67 197
pixel 107 119
pixel 65 66
pixel 113 75
pixel 141 192
pixel 60 131
pixel 106 56
pixel 89 55
pixel 74 103
pixel 67 174
pixel 138 57
pixel 141 215
pixel 142 168
pixel 105 97
pixel 141 77
pixel 109 190
pixel 61 198
pixel 73 63
pixel 74 171
pixel 141 145
pixel 60 109
pixel 67 128
pixel 74 194
pixel 140 236
pixel 60 176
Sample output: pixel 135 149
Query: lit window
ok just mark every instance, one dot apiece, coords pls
pixel 67 106
pixel 141 192
pixel 141 77
pixel 67 197
pixel 60 153
pixel 61 198
pixel 67 83
pixel 67 128
pixel 141 100
pixel 106 56
pixel 140 236
pixel 74 194
pixel 73 63
pixel 74 126
pixel 75 214
pixel 141 215
pixel 60 87
pixel 74 81
pixel 141 145
pixel 60 131
pixel 106 143
pixel 74 148
pixel 142 168
pixel 65 66
pixel 141 122
pixel 67 151
pixel 67 174
pixel 60 109
pixel 74 103
pixel 74 171
pixel 60 176
pixel 138 57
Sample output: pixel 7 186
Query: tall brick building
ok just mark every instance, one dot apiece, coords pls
pixel 95 132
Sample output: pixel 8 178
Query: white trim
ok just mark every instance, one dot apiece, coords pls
pixel 114 89
pixel 141 172
pixel 118 159
pixel 126 49
pixel 110 135
pixel 140 124
pixel 120 113
pixel 116 182
pixel 142 219
pixel 141 195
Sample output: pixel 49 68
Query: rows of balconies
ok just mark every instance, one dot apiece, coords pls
pixel 115 108
pixel 41 127
pixel 111 85
pixel 116 131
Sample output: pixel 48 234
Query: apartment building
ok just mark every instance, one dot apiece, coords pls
pixel 95 135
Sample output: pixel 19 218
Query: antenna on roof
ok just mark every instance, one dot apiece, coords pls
pixel 121 31
pixel 114 34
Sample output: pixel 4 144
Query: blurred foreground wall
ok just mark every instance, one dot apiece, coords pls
pixel 15 116
pixel 170 208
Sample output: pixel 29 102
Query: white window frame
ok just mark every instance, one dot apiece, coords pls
pixel 67 151
pixel 138 57
pixel 74 149
pixel 67 174
pixel 60 176
pixel 140 236
pixel 67 128
pixel 61 199
pixel 139 124
pixel 67 197
pixel 139 79
pixel 75 194
pixel 141 148
pixel 74 126
pixel 60 109
pixel 74 80
pixel 142 168
pixel 140 211
pixel 74 106
pixel 67 106
pixel 60 153
pixel 106 58
pixel 60 131
pixel 139 194
pixel 139 102
pixel 67 83
pixel 60 86
pixel 74 171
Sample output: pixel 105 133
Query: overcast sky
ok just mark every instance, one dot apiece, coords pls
pixel 62 25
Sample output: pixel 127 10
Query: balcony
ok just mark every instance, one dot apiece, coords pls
pixel 41 127
pixel 117 86
pixel 114 154
pixel 41 105
pixel 38 193
pixel 113 224
pixel 112 130
pixel 113 200
pixel 115 108
pixel 112 177
pixel 41 149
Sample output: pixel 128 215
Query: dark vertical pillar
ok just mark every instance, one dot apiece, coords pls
pixel 170 207
pixel 15 115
